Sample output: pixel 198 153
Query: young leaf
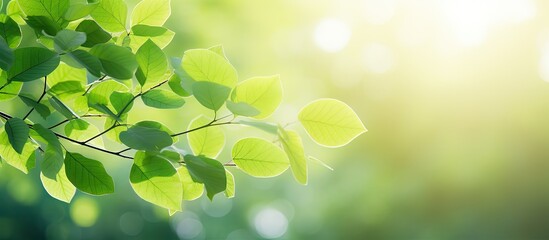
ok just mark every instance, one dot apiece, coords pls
pixel 94 33
pixel 144 138
pixel 208 171
pixel 88 175
pixel 211 95
pixel 293 146
pixel 68 40
pixel 118 62
pixel 32 63
pixel 151 12
pixel 153 64
pixel 330 122
pixel 259 158
pixel 18 133
pixel 159 98
pixel 230 190
pixel 24 161
pixel 67 90
pixel 206 141
pixel 6 55
pixel 10 31
pixel 156 181
pixel 191 189
pixel 205 65
pixel 111 15
pixel 262 93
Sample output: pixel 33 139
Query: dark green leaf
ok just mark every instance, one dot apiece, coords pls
pixel 42 24
pixel 62 108
pixel 10 31
pixel 144 138
pixel 32 63
pixel 6 55
pixel 88 175
pixel 94 33
pixel 68 40
pixel 208 171
pixel 118 62
pixel 42 109
pixel 88 61
pixel 18 133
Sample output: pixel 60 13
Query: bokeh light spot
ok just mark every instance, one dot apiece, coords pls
pixel 377 58
pixel 270 223
pixel 84 212
pixel 332 35
pixel 131 223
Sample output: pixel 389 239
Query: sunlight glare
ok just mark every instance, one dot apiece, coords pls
pixel 332 35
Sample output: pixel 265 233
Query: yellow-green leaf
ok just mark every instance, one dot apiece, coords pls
pixel 262 93
pixel 259 158
pixel 111 15
pixel 331 122
pixel 151 12
pixel 293 146
pixel 207 141
pixel 191 189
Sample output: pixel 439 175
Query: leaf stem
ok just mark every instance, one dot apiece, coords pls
pixel 39 99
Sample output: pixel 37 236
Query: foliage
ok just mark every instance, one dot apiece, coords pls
pixel 90 63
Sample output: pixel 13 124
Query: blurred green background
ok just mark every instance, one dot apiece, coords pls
pixel 454 94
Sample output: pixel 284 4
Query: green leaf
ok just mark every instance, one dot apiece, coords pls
pixel 219 50
pixel 18 133
pixel 330 122
pixel 208 171
pixel 159 98
pixel 10 89
pixel 155 180
pixel 24 161
pixel 6 55
pixel 293 146
pixel 68 40
pixel 207 141
pixel 49 139
pixel 14 11
pixel 58 187
pixel 88 175
pixel 42 109
pixel 79 9
pixel 141 33
pixel 10 31
pixel 111 15
pixel 242 109
pixel 211 95
pixel 122 102
pixel 102 92
pixel 32 63
pixel 81 130
pixel 94 33
pixel 176 86
pixel 88 61
pixel 153 64
pixel 259 158
pixel 206 65
pixel 262 93
pixel 118 62
pixel 53 9
pixel 159 126
pixel 62 108
pixel 42 24
pixel 151 12
pixel 191 189
pixel 67 90
pixel 230 190
pixel 267 127
pixel 64 73
pixel 145 138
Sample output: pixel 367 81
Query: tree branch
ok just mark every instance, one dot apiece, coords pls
pixel 39 99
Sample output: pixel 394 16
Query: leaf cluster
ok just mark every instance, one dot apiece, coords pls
pixel 92 60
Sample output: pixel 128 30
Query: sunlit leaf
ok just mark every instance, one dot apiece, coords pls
pixel 153 64
pixel 80 8
pixel 88 175
pixel 156 181
pixel 331 122
pixel 230 191
pixel 262 93
pixel 259 158
pixel 207 141
pixel 151 12
pixel 191 189
pixel 24 161
pixel 141 33
pixel 206 65
pixel 111 15
pixel 293 146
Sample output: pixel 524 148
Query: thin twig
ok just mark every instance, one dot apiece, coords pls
pixel 39 99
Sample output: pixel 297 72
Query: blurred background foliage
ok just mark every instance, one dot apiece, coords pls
pixel 453 95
